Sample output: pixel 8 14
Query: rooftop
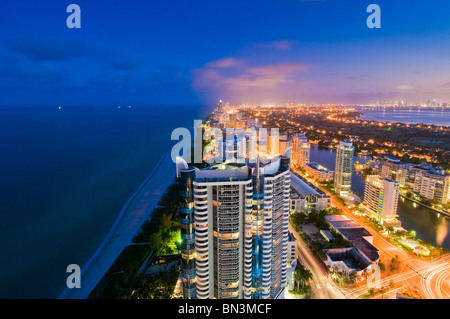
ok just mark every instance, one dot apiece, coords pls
pixel 318 167
pixel 327 234
pixel 354 233
pixel 367 249
pixel 333 218
pixel 301 186
pixel 345 224
pixel 349 256
pixel 392 159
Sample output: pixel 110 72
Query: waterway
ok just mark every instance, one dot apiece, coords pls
pixel 407 115
pixel 428 224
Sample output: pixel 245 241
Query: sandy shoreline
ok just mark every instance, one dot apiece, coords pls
pixel 130 219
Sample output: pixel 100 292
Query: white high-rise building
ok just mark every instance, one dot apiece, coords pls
pixel 234 229
pixel 344 168
pixel 381 198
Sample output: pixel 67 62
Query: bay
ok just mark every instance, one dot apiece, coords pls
pixel 406 115
pixel 428 224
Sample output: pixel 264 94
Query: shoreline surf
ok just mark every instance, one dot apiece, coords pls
pixel 99 263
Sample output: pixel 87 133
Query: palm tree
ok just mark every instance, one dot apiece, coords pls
pixel 302 276
pixel 166 221
pixel 298 278
pixel 156 241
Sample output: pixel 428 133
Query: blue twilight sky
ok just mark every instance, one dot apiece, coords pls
pixel 195 52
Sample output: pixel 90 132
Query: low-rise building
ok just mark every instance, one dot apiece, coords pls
pixel 305 196
pixel 356 258
pixel 346 260
pixel 318 172
pixel 327 235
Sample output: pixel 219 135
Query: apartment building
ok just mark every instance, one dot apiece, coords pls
pixel 234 229
pixel 344 168
pixel 381 199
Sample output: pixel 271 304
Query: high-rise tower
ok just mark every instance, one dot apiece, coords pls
pixel 234 229
pixel 344 168
pixel 300 150
pixel 381 198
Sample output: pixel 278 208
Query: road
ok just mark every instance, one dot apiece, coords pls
pixel 323 287
pixel 430 278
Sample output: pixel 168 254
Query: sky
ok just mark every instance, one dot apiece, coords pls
pixel 196 52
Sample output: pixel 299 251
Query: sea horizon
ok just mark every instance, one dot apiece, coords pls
pixel 67 174
pixel 43 229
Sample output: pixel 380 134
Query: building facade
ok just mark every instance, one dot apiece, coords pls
pixel 234 229
pixel 394 169
pixel 434 185
pixel 301 150
pixel 344 168
pixel 318 172
pixel 381 198
pixel 305 196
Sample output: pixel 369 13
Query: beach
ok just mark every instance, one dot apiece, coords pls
pixel 130 219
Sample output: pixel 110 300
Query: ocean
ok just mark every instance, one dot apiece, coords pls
pixel 437 116
pixel 65 175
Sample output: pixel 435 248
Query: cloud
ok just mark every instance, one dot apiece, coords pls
pixel 306 82
pixel 41 49
pixel 225 63
pixel 276 69
pixel 357 77
pixel 247 77
pixel 168 76
pixel 405 87
pixel 239 80
pixel 276 45
pixel 127 62
pixel 265 77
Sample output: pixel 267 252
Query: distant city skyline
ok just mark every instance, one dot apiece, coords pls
pixel 194 53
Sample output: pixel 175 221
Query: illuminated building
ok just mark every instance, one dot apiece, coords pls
pixel 429 182
pixel 394 169
pixel 305 196
pixel 381 199
pixel 300 150
pixel 318 172
pixel 433 185
pixel 344 168
pixel 285 142
pixel 234 229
